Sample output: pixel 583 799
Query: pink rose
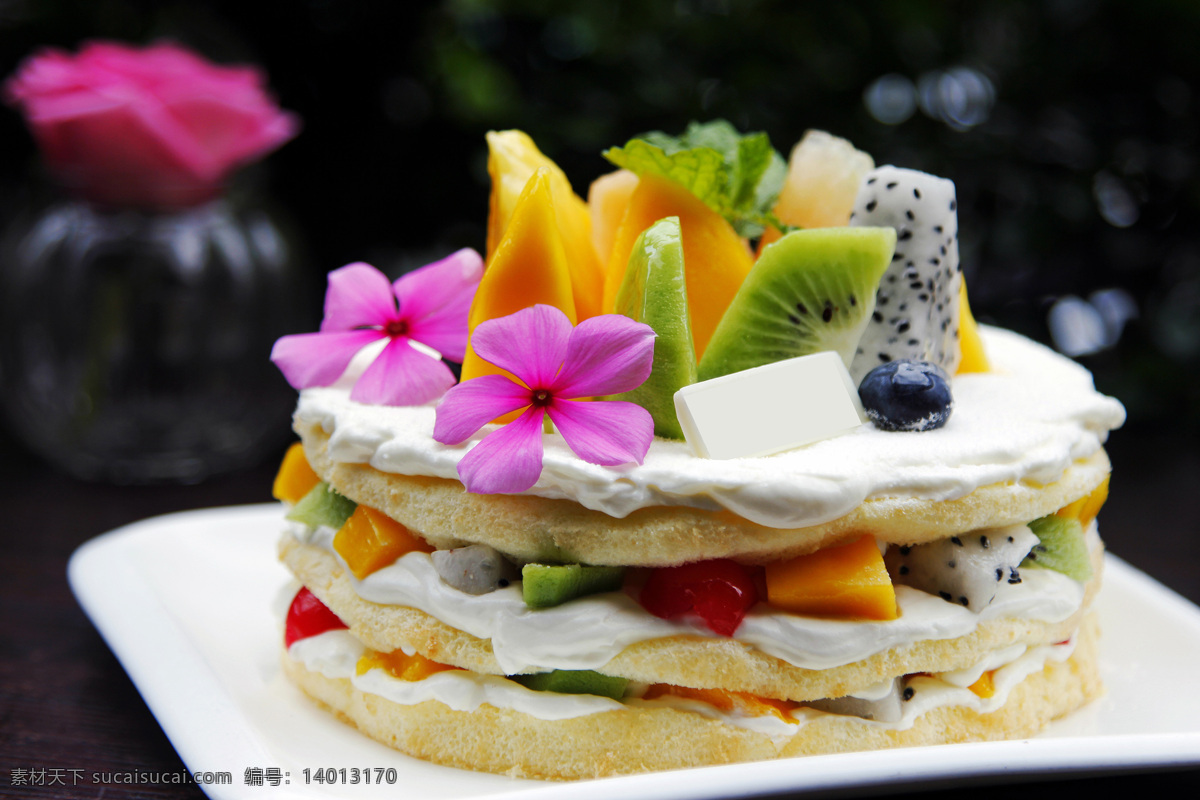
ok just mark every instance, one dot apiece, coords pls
pixel 155 127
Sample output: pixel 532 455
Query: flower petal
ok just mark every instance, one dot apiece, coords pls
pixel 608 432
pixel 530 344
pixel 402 376
pixel 474 403
pixel 436 301
pixel 358 295
pixel 608 354
pixel 318 359
pixel 508 459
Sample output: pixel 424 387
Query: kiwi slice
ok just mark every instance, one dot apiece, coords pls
pixel 546 585
pixel 323 506
pixel 810 291
pixel 574 681
pixel 1060 547
pixel 654 291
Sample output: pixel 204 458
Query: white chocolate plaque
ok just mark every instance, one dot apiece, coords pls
pixel 769 409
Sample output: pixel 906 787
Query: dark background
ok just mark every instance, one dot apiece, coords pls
pixel 1069 126
pixel 1076 168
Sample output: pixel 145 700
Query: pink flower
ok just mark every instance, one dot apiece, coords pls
pixel 555 364
pixel 158 127
pixel 428 305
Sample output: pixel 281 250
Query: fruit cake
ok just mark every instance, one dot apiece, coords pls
pixel 534 569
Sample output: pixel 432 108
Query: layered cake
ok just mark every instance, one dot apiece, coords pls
pixel 546 569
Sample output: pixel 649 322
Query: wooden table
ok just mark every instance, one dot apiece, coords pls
pixel 68 709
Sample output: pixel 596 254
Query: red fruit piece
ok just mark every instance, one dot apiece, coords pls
pixel 308 616
pixel 719 591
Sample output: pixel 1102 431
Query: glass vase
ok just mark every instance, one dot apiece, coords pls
pixel 134 345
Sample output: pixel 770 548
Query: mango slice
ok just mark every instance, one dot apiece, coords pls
pixel 974 359
pixel 405 667
pixel 847 580
pixel 608 197
pixel 1086 508
pixel 370 541
pixel 748 704
pixel 528 267
pixel 716 259
pixel 295 477
pixel 512 160
pixel 985 687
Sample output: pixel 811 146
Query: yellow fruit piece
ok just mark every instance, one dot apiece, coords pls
pixel 512 160
pixel 1095 501
pixel 370 541
pixel 974 359
pixel 824 173
pixel 295 477
pixel 1086 508
pixel 608 197
pixel 847 580
pixel 984 687
pixel 405 667
pixel 1071 510
pixel 748 704
pixel 528 267
pixel 715 258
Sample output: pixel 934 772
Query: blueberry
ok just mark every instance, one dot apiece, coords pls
pixel 906 395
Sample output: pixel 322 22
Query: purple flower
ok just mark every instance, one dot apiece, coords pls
pixel 428 305
pixel 556 366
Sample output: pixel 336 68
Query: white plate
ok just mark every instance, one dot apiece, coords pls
pixel 188 604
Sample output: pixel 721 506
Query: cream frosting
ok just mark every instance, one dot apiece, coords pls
pixel 588 632
pixel 1027 420
pixel 335 654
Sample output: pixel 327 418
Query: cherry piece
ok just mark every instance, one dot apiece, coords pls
pixel 308 616
pixel 719 591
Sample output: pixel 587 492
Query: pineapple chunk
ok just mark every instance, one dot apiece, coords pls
pixel 295 477
pixel 847 580
pixel 370 541
pixel 405 667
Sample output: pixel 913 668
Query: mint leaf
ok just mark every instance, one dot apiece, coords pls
pixel 738 176
pixel 700 170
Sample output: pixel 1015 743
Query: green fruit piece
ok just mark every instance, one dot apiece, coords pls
pixel 546 585
pixel 323 506
pixel 810 291
pixel 655 292
pixel 574 681
pixel 1060 547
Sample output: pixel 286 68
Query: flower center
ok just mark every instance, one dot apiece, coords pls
pixel 397 327
pixel 541 397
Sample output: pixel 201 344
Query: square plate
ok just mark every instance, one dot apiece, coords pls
pixel 190 604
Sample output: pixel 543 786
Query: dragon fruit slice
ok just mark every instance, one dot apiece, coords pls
pixel 917 304
pixel 968 569
pixel 881 706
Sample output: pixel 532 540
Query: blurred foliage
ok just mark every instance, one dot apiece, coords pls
pixel 1069 126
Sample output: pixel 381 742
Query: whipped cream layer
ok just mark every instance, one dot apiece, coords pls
pixel 335 654
pixel 1027 420
pixel 588 632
